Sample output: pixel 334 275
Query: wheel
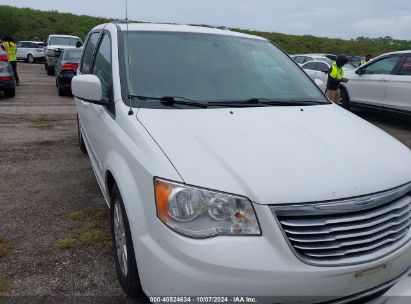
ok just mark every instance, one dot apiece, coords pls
pixel 50 71
pixel 10 93
pixel 124 258
pixel 30 58
pixel 345 99
pixel 62 92
pixel 46 67
pixel 80 138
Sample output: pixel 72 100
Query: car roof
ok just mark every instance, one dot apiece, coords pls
pixel 31 41
pixel 158 27
pixel 318 61
pixel 397 52
pixel 68 36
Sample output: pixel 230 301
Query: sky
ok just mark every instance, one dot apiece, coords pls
pixel 344 19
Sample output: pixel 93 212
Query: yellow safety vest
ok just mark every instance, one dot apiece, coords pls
pixel 336 72
pixel 363 62
pixel 11 49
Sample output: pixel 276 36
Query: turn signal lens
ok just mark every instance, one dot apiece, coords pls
pixel 201 213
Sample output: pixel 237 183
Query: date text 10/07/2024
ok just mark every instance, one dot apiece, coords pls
pixel 203 300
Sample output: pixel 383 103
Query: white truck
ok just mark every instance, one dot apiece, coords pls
pixel 54 45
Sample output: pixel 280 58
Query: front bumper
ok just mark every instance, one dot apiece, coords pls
pixel 265 266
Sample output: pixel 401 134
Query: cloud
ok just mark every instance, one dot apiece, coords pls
pixel 398 27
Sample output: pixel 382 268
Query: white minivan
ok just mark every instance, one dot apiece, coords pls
pixel 229 173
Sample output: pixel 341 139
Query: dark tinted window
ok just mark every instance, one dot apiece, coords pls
pixel 88 53
pixel 306 59
pixel 321 66
pixel 299 59
pixel 72 54
pixel 102 65
pixel 309 66
pixel 406 67
pixel 25 45
pixel 63 41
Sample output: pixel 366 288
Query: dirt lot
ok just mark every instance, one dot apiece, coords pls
pixel 54 231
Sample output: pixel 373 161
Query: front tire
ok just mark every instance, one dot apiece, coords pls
pixel 50 71
pixel 124 258
pixel 30 58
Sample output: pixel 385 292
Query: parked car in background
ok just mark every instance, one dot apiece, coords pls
pixel 383 83
pixel 7 81
pixel 355 60
pixel 303 58
pixel 66 69
pixel 232 174
pixel 54 45
pixel 30 51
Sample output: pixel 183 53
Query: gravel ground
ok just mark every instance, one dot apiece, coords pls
pixel 54 231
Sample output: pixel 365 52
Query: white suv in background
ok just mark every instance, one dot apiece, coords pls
pixel 383 83
pixel 30 51
pixel 228 172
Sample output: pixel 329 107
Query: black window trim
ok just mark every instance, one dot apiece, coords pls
pixel 94 50
pixel 110 107
pixel 401 62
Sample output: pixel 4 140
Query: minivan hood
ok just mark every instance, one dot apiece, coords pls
pixel 278 155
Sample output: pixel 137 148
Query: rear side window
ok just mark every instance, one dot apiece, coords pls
pixel 309 66
pixel 88 53
pixel 406 67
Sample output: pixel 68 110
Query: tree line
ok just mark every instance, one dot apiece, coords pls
pixel 29 24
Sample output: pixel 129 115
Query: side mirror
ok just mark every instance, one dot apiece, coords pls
pixel 360 71
pixel 88 88
pixel 325 71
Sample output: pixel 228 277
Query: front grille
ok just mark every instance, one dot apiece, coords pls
pixel 350 231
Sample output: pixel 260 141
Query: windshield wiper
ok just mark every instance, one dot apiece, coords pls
pixel 264 102
pixel 172 100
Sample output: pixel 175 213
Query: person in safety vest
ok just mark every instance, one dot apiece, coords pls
pixel 367 58
pixel 11 48
pixel 335 77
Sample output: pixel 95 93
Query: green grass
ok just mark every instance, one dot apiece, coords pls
pixel 5 246
pixel 89 237
pixel 5 283
pixel 78 215
pixel 42 123
pixel 65 243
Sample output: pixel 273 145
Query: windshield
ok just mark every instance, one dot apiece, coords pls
pixel 63 41
pixel 72 54
pixel 216 68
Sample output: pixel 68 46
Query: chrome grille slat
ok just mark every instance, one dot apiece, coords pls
pixel 360 249
pixel 348 231
pixel 345 227
pixel 344 235
pixel 357 241
pixel 405 201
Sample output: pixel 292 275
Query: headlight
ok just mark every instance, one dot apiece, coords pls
pixel 201 213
